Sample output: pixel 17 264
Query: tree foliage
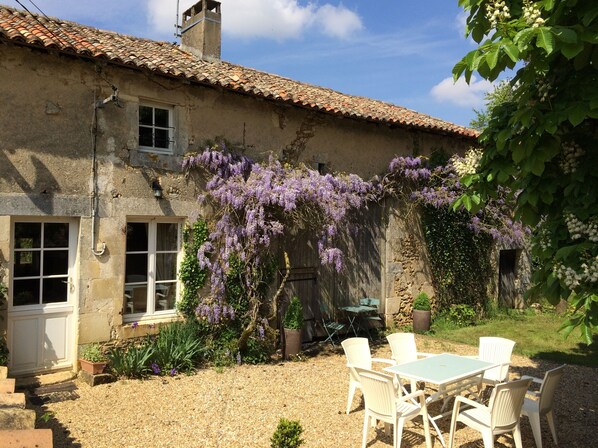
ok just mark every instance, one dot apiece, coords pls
pixel 542 143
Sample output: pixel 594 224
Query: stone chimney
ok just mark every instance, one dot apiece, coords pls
pixel 200 32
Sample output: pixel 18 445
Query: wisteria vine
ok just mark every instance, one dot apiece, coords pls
pixel 253 205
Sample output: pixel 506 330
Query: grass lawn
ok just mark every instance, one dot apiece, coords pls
pixel 536 336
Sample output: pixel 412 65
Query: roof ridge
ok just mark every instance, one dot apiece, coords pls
pixel 168 59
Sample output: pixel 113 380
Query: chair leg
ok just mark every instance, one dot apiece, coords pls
pixel 550 418
pixel 365 430
pixel 517 436
pixel 488 439
pixel 398 435
pixel 352 387
pixel 534 421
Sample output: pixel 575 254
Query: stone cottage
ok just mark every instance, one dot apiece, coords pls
pixel 94 126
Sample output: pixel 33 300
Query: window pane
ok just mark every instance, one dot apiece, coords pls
pixel 55 290
pixel 56 262
pixel 167 236
pixel 145 136
pixel 135 299
pixel 27 264
pixel 161 118
pixel 162 138
pixel 136 268
pixel 56 235
pixel 165 295
pixel 145 115
pixel 28 235
pixel 137 237
pixel 165 267
pixel 25 292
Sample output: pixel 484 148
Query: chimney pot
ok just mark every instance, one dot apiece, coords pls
pixel 201 30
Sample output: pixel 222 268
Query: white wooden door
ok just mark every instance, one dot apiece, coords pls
pixel 41 302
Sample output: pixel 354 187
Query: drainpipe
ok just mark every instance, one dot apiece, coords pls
pixel 94 176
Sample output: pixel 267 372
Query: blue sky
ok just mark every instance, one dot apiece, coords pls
pixel 399 51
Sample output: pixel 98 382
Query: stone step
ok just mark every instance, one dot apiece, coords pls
pixel 26 438
pixel 12 401
pixel 3 372
pixel 17 419
pixel 7 385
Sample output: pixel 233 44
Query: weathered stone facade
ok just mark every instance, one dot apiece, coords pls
pixel 55 124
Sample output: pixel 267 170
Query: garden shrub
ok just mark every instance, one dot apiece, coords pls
pixel 287 434
pixel 133 361
pixel 177 348
pixel 462 315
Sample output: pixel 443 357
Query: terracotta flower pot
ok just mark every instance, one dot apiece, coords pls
pixel 92 367
pixel 421 321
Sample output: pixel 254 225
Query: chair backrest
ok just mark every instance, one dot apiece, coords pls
pixel 369 301
pixel 403 347
pixel 548 388
pixel 378 392
pixel 498 351
pixel 505 403
pixel 357 351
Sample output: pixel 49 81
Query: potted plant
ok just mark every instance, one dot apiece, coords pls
pixel 292 323
pixel 422 313
pixel 92 359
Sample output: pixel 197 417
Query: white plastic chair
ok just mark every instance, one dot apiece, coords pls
pixel 542 403
pixel 381 403
pixel 500 416
pixel 357 352
pixel 404 349
pixel 498 351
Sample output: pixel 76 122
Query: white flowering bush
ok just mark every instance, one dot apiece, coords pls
pixel 542 142
pixel 468 164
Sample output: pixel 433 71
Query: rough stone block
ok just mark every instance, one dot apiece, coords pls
pixel 393 305
pixel 10 400
pixel 94 380
pixel 26 438
pixel 3 372
pixel 17 419
pixel 7 385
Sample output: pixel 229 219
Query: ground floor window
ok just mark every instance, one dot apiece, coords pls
pixel 151 262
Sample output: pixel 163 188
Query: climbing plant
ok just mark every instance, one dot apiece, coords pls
pixel 191 274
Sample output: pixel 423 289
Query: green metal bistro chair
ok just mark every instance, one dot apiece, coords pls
pixel 331 326
pixel 374 317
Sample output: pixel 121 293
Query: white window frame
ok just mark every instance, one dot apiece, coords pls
pixel 152 232
pixel 170 128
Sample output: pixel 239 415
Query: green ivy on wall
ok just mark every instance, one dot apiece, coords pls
pixel 460 259
pixel 192 276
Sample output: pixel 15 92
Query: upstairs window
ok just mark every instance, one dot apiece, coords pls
pixel 155 128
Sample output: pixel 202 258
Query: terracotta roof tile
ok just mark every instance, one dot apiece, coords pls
pixel 169 60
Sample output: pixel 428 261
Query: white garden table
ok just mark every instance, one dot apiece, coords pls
pixel 452 374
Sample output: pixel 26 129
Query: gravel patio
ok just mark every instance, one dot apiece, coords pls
pixel 241 406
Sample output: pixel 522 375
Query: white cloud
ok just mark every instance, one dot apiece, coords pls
pixel 274 19
pixel 337 21
pixel 461 93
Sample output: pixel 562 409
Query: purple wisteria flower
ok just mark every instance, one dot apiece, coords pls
pixel 172 372
pixel 134 325
pixel 155 368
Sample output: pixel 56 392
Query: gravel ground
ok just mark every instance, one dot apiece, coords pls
pixel 241 406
